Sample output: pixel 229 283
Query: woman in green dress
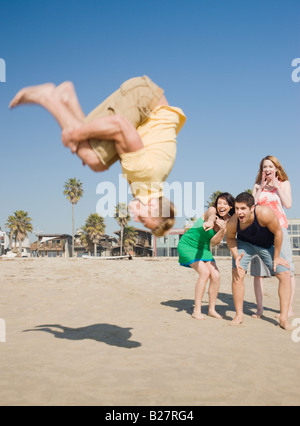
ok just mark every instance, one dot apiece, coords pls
pixel 194 251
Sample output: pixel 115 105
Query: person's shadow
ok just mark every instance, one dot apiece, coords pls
pixel 187 305
pixel 106 333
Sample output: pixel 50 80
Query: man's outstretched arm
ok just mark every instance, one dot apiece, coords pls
pixel 268 218
pixel 115 128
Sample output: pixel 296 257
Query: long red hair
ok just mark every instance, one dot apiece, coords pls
pixel 281 175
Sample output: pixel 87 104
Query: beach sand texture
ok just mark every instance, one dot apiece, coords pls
pixel 120 332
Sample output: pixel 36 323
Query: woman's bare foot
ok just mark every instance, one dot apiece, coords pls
pixel 258 314
pixel 213 313
pixel 198 316
pixel 33 95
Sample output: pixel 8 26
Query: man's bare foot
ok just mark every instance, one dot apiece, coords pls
pixel 238 320
pixel 198 316
pixel 213 313
pixel 68 96
pixel 286 325
pixel 33 95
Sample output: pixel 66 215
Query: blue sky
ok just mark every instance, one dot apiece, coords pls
pixel 226 63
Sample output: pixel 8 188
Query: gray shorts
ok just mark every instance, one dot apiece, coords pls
pixel 258 267
pixel 265 254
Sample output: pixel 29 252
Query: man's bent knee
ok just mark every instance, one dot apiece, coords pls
pixel 238 274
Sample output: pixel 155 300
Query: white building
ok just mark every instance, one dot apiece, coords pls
pixel 4 242
pixel 294 231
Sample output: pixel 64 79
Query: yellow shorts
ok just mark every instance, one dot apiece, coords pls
pixel 134 100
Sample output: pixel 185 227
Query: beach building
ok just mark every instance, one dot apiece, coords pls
pixel 60 245
pixel 52 245
pixel 167 246
pixel 23 248
pixel 105 246
pixel 110 246
pixel 294 231
pixel 4 242
pixel 143 246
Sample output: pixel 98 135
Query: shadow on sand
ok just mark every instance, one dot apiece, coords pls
pixel 187 305
pixel 106 333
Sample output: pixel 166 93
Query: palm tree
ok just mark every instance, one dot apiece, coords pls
pixel 123 217
pixel 93 230
pixel 130 236
pixel 84 238
pixel 190 222
pixel 19 226
pixel 73 191
pixel 213 197
pixel 10 224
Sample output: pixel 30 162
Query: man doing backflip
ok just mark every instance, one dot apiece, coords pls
pixel 134 125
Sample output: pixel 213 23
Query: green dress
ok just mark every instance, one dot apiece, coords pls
pixel 194 245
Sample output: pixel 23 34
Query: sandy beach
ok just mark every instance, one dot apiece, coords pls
pixel 120 332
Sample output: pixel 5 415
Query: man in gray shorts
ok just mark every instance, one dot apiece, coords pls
pixel 255 230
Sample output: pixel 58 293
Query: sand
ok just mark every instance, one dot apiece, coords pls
pixel 120 332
